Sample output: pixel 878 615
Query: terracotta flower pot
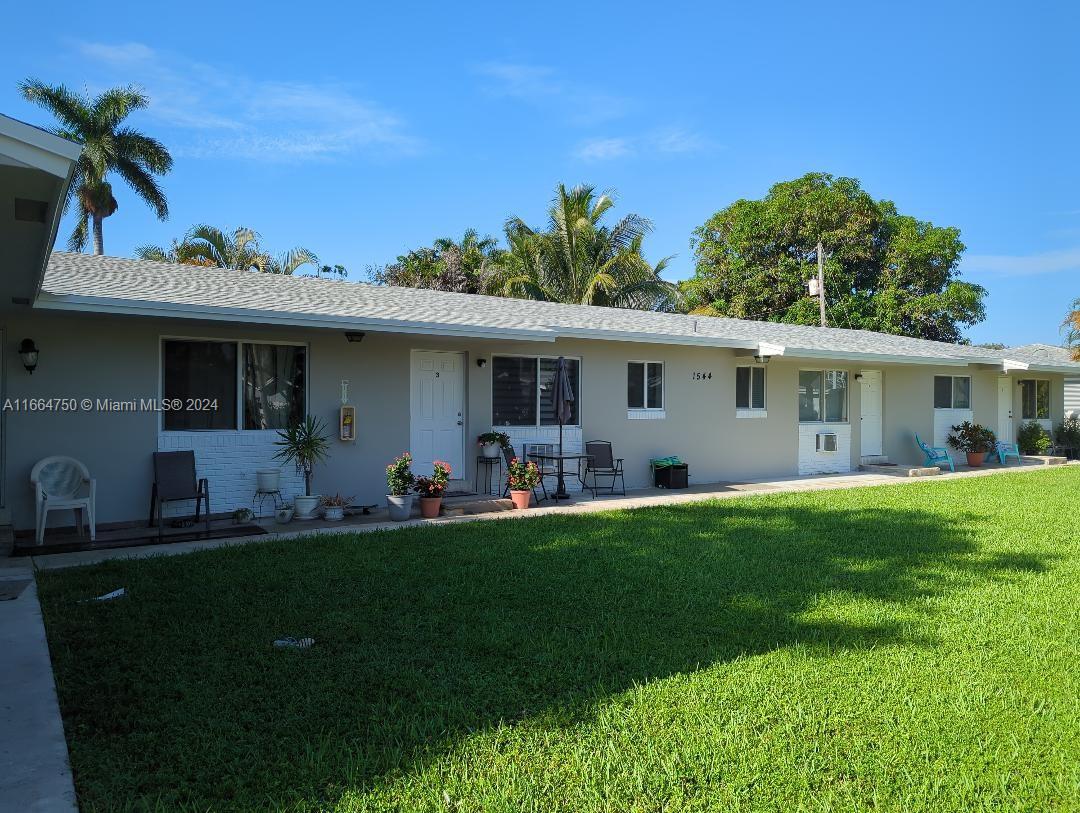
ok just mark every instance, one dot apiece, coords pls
pixel 429 507
pixel 975 459
pixel 521 498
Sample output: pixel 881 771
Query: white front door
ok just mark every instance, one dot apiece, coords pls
pixel 1005 410
pixel 437 424
pixel 870 415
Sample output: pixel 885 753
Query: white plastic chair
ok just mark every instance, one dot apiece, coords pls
pixel 63 483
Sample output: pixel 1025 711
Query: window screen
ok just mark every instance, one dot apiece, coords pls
pixel 810 395
pixel 750 388
pixel 513 391
pixel 547 379
pixel 200 372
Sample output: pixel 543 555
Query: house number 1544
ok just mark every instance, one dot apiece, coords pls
pixel 701 376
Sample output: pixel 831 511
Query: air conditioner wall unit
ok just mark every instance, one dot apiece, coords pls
pixel 826 442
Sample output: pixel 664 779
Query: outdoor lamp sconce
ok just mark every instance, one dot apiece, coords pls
pixel 481 363
pixel 858 376
pixel 28 352
pixel 355 337
pixel 761 359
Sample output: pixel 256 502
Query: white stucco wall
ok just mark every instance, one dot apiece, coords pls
pixel 118 357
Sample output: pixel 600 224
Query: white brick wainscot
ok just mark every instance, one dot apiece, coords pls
pixel 229 459
pixel 572 444
pixel 811 461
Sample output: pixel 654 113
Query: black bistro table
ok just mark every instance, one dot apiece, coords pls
pixel 560 459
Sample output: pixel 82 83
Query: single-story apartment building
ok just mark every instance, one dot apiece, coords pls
pixel 245 354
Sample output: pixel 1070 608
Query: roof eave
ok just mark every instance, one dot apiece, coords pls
pixel 89 304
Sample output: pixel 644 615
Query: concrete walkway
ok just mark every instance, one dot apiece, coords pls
pixel 34 772
pixel 635 499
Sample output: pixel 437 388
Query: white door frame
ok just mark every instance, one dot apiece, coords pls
pixel 866 378
pixel 1006 407
pixel 462 471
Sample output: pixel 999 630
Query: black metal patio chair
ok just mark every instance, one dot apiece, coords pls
pixel 175 480
pixel 603 463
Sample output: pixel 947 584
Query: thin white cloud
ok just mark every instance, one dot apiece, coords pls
pixel 218 114
pixel 545 87
pixel 666 142
pixel 603 149
pixel 1020 265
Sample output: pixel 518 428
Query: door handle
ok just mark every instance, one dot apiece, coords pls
pixel 460 423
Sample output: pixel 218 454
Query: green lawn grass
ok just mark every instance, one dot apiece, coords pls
pixel 901 648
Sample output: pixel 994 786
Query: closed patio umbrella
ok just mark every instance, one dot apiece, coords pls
pixel 562 397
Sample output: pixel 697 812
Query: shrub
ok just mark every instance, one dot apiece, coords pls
pixel 522 476
pixel 399 476
pixel 1033 439
pixel 1068 432
pixel 972 438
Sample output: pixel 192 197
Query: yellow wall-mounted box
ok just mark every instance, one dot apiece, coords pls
pixel 347 422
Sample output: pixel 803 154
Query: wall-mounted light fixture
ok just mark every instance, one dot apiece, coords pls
pixel 481 363
pixel 759 359
pixel 28 352
pixel 354 336
pixel 858 376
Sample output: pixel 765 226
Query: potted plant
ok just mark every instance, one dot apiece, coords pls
pixel 399 482
pixel 1033 439
pixel 334 507
pixel 975 440
pixel 304 445
pixel 284 515
pixel 431 489
pixel 491 443
pixel 522 478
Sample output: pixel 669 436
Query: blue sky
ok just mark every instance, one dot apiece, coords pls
pixel 362 130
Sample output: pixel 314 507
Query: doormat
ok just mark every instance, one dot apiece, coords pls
pixel 103 542
pixel 11 590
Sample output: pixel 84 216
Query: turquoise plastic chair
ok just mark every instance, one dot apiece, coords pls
pixel 935 455
pixel 1006 450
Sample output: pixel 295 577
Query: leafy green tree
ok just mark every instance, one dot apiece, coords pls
pixel 468 266
pixel 240 249
pixel 108 147
pixel 1072 329
pixel 884 271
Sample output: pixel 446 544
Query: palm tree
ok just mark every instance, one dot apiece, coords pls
pixel 108 147
pixel 212 247
pixel 580 260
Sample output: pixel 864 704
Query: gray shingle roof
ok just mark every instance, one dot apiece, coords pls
pixel 111 284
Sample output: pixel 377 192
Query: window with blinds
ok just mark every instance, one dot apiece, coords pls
pixel 521 390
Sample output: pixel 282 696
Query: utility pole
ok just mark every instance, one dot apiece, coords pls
pixel 821 282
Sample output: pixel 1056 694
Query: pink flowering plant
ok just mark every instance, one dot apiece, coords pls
pixel 435 485
pixel 522 475
pixel 399 476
